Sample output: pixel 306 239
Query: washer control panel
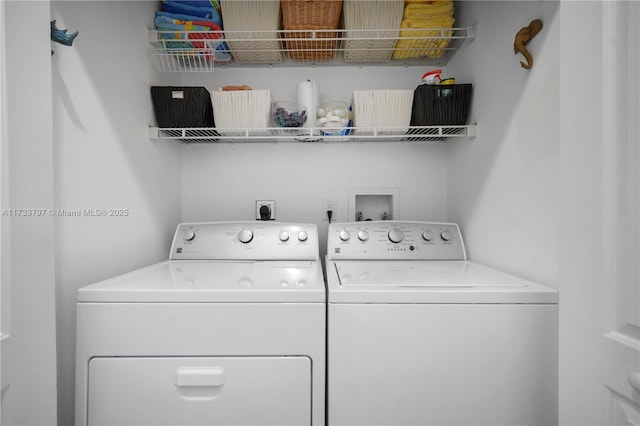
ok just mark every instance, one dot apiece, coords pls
pixel 245 241
pixel 395 240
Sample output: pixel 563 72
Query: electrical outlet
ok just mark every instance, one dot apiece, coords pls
pixel 271 212
pixel 329 204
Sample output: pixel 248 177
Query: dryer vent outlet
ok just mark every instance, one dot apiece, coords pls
pixel 265 210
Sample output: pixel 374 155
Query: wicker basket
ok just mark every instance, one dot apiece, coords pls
pixel 382 109
pixel 182 106
pixel 257 21
pixel 311 15
pixel 241 109
pixel 441 105
pixel 374 15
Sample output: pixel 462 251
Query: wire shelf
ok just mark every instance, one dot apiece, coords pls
pixel 433 46
pixel 280 134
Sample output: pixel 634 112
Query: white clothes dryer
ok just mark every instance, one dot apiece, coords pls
pixel 229 331
pixel 419 335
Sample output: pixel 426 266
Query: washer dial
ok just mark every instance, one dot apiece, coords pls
pixel 395 235
pixel 245 236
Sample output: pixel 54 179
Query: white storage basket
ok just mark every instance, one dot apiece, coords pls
pixel 256 21
pixel 375 109
pixel 241 109
pixel 372 29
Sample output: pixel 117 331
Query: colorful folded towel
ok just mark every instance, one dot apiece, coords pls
pixel 427 10
pixel 179 30
pixel 186 9
pixel 188 17
pixel 196 3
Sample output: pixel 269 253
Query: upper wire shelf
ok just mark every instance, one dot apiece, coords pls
pixel 280 134
pixel 204 51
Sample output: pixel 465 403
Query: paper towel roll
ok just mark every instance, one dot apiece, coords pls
pixel 307 94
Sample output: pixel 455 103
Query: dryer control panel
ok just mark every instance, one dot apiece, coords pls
pixel 245 241
pixel 395 240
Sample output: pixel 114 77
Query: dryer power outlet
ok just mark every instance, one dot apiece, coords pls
pixel 265 210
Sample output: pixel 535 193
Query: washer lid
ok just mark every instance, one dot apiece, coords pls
pixel 429 282
pixel 213 281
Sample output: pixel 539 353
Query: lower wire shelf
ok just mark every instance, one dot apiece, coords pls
pixel 280 134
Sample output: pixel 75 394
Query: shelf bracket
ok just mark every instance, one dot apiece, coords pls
pixel 472 31
pixel 154 133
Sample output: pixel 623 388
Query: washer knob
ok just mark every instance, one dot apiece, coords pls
pixel 363 235
pixel 445 235
pixel 344 235
pixel 395 235
pixel 284 236
pixel 245 236
pixel 189 235
pixel 302 236
pixel 427 235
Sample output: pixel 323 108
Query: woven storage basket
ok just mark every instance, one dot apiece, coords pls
pixel 441 105
pixel 182 106
pixel 241 109
pixel 375 15
pixel 257 21
pixel 311 15
pixel 382 108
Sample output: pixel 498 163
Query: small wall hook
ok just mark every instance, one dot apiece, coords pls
pixel 61 36
pixel 523 37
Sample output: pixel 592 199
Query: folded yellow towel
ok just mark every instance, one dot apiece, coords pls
pixel 424 1
pixel 429 42
pixel 441 21
pixel 427 10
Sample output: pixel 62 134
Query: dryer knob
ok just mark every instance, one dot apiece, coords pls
pixel 302 236
pixel 284 236
pixel 189 235
pixel 445 235
pixel 245 236
pixel 363 235
pixel 344 235
pixel 427 235
pixel 396 235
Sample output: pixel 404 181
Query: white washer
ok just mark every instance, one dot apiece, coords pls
pixel 419 335
pixel 229 331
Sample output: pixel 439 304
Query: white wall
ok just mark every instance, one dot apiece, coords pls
pixel 222 182
pixel 104 159
pixel 581 181
pixel 28 355
pixel 503 185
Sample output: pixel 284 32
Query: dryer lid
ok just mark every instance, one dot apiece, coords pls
pixel 213 281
